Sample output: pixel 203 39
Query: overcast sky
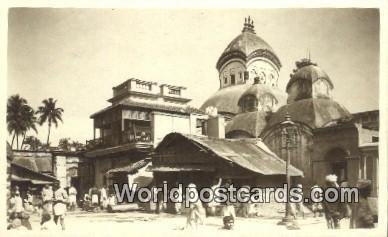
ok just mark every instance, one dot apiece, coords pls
pixel 77 55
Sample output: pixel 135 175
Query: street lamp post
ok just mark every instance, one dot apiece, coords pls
pixel 289 139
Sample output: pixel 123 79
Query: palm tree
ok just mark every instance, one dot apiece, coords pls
pixel 49 113
pixel 20 117
pixel 29 122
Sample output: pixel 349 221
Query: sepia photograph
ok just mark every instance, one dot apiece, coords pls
pixel 193 120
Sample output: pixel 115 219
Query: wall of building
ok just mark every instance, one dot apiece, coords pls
pixel 300 156
pixel 101 166
pixel 369 167
pixel 60 170
pixel 366 135
pixel 340 137
pixel 163 124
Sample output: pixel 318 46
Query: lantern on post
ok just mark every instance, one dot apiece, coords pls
pixel 289 137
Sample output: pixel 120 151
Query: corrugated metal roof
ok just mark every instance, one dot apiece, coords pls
pixel 245 153
pixel 179 168
pixel 132 168
pixel 152 106
pixel 26 162
pixel 33 161
pixel 21 173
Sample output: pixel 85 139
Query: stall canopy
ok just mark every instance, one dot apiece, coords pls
pixel 22 174
pixel 251 154
pixel 137 172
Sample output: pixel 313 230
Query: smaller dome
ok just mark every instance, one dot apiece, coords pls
pixel 252 123
pixel 315 113
pixel 307 70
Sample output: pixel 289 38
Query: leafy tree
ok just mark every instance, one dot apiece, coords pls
pixel 49 113
pixel 64 144
pixel 33 142
pixel 78 146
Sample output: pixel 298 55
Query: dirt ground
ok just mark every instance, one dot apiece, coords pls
pixel 138 222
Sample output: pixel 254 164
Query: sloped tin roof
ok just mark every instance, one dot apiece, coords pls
pixel 249 154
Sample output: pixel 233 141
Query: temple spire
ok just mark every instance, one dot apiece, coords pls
pixel 248 25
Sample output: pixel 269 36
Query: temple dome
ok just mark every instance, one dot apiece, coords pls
pixel 315 113
pixel 307 70
pixel 259 90
pixel 248 45
pixel 226 99
pixel 246 125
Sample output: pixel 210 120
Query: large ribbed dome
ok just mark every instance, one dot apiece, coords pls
pixel 226 99
pixel 259 90
pixel 248 45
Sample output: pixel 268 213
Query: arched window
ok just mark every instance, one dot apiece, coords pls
pixel 232 79
pixel 249 103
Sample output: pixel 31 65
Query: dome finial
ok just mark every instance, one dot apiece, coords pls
pixel 248 25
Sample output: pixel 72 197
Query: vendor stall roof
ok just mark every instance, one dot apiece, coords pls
pixel 251 154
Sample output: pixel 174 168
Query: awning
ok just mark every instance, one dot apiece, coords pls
pixel 249 154
pixel 102 152
pixel 129 169
pixel 181 168
pixel 23 174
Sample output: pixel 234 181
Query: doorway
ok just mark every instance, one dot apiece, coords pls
pixel 337 163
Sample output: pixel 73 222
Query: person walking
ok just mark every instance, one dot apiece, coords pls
pixel 334 211
pixel 299 207
pixel 72 198
pixel 47 199
pixel 16 205
pixel 103 198
pixel 212 205
pixel 228 209
pixel 60 201
pixel 316 207
pixel 94 194
pixel 196 214
pixel 362 216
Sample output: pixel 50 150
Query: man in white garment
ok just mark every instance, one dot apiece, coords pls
pixel 72 198
pixel 60 201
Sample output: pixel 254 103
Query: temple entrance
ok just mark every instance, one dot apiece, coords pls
pixel 338 163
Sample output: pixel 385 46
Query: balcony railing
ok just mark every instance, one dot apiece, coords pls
pixel 142 135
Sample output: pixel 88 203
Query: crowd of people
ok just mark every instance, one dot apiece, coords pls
pixel 55 201
pixel 51 206
pixel 98 199
pixel 359 214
